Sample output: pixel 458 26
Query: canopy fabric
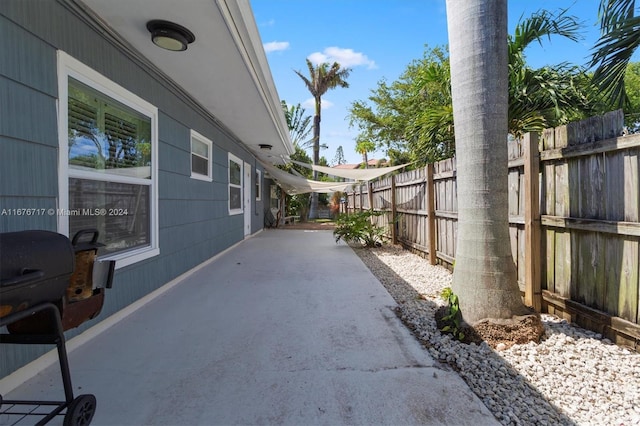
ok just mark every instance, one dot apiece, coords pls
pixel 355 174
pixel 293 185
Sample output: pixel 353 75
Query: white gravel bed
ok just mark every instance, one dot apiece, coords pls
pixel 572 377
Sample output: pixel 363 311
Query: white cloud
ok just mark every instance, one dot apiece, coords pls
pixel 345 57
pixel 311 104
pixel 276 46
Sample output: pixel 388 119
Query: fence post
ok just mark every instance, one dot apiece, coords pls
pixel 353 209
pixel 394 213
pixel 346 202
pixel 533 289
pixel 344 206
pixel 370 189
pixel 431 215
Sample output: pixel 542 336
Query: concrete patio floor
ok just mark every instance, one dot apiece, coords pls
pixel 287 327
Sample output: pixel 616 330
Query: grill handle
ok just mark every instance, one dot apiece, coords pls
pixel 27 275
pixel 94 239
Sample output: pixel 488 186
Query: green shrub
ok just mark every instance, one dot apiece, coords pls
pixel 453 318
pixel 358 228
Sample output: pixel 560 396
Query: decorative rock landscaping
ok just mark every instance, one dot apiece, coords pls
pixel 572 377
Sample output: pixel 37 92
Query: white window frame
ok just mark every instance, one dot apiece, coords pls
pixel 71 67
pixel 273 196
pixel 258 185
pixel 235 159
pixel 194 175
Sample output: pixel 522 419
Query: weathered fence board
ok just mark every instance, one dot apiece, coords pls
pixel 548 265
pixel 520 260
pixel 614 166
pixel 631 186
pixel 561 192
pixel 548 189
pixel 621 278
pixel 562 264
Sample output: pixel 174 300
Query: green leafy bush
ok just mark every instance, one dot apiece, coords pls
pixel 358 228
pixel 453 318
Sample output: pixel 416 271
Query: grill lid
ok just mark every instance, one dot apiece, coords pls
pixel 35 250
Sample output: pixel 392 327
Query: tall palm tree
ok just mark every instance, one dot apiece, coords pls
pixel 320 80
pixel 484 277
pixel 620 38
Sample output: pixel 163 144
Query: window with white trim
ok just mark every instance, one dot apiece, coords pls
pixel 235 185
pixel 258 185
pixel 201 162
pixel 108 163
pixel 274 199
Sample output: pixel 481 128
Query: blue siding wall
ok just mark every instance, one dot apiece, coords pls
pixel 194 223
pixel 28 128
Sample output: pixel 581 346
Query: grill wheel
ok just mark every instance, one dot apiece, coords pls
pixel 80 411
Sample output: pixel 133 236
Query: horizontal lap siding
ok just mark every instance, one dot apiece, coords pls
pixel 194 223
pixel 28 129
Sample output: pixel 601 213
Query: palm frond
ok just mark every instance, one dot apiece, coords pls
pixel 544 24
pixel 306 81
pixel 613 12
pixel 298 123
pixel 612 54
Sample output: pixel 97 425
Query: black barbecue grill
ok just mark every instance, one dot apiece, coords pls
pixel 47 287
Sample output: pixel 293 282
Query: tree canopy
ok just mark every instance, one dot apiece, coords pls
pixel 632 85
pixel 339 158
pixel 413 116
pixel 620 37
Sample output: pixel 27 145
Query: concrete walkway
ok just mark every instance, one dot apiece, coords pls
pixel 286 328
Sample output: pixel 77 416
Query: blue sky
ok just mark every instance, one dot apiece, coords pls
pixel 377 39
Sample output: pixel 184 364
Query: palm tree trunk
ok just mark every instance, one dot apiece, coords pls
pixel 484 276
pixel 313 211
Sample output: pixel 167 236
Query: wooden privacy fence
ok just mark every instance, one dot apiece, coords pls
pixel 574 214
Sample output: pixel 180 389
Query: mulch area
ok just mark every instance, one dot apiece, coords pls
pixel 504 333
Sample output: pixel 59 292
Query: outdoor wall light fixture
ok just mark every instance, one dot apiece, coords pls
pixel 265 146
pixel 169 35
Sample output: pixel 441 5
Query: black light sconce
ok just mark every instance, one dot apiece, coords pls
pixel 170 35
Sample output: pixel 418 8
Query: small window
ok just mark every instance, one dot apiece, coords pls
pixel 235 185
pixel 258 185
pixel 201 148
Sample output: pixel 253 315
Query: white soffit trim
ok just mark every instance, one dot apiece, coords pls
pixel 241 24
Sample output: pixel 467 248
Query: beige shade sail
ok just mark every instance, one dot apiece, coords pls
pixel 292 184
pixel 353 174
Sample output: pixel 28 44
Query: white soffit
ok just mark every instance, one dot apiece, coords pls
pixel 225 69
